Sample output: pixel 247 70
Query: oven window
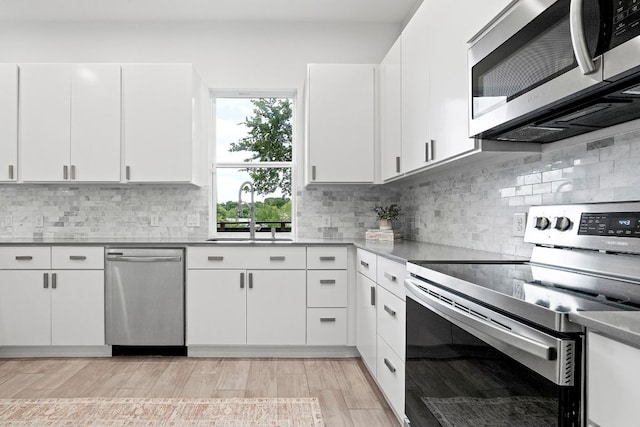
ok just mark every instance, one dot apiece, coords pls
pixel 455 379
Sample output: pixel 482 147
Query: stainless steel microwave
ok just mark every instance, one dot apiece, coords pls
pixel 552 69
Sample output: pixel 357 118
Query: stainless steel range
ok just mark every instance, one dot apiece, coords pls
pixel 490 343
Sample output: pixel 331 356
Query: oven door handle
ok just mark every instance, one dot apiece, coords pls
pixel 481 327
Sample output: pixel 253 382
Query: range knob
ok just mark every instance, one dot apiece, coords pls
pixel 541 223
pixel 562 223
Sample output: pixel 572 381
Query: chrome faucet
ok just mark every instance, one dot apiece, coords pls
pixel 252 208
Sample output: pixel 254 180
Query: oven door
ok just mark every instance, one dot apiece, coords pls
pixel 469 365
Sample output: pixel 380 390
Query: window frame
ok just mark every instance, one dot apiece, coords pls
pixel 215 165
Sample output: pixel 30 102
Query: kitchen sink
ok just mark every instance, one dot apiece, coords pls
pixel 248 240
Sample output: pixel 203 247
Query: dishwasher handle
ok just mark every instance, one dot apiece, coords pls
pixel 144 258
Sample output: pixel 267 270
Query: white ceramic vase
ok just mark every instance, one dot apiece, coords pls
pixel 384 224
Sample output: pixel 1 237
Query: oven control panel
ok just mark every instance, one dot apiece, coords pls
pixel 611 227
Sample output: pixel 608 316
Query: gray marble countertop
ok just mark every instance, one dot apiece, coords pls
pixel 401 251
pixel 623 326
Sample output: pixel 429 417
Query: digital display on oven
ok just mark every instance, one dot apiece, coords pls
pixel 610 224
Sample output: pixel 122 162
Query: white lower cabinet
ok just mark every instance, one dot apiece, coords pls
pixel 41 306
pixel 327 326
pixel 381 317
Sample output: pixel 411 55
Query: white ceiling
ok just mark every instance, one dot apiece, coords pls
pixel 369 11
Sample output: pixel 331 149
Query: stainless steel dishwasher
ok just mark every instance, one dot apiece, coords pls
pixel 144 297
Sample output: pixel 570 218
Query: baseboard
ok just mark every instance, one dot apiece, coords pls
pixel 272 351
pixel 55 351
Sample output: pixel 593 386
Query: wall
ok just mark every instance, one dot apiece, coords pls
pixel 227 55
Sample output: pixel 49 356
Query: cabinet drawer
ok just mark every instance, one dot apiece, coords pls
pixel 327 258
pixel 391 275
pixel 327 326
pixel 326 288
pixel 259 258
pixel 25 257
pixel 391 314
pixel 366 263
pixel 390 376
pixel 77 257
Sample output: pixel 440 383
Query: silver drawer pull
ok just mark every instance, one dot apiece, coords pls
pixel 390 276
pixel 327 281
pixel 45 280
pixel 65 172
pixel 250 280
pixel 389 365
pixel 276 258
pixel 373 295
pixel 327 258
pixel 241 280
pixel 364 264
pixel 73 171
pixel 77 257
pixel 215 258
pixel 24 258
pixel 10 171
pixel 127 173
pixel 327 319
pixel 54 280
pixel 389 310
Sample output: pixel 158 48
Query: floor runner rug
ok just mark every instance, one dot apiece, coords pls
pixel 154 412
pixel 521 411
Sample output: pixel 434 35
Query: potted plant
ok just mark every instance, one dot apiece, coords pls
pixel 386 214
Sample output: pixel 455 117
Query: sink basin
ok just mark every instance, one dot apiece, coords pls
pixel 248 240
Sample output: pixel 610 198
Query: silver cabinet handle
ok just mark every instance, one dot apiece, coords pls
pixel 65 172
pixel 428 150
pixel 327 281
pixel 327 319
pixel 391 311
pixel 77 257
pixel 215 258
pixel 373 295
pixel 390 276
pixel 364 264
pixel 327 258
pixel 313 173
pixel 579 39
pixel 389 365
pixel 250 280
pixel 241 280
pixel 54 280
pixel 127 172
pixel 276 258
pixel 398 164
pixel 45 280
pixel 10 171
pixel 73 171
pixel 24 257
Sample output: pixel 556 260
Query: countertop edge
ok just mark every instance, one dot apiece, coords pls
pixel 620 326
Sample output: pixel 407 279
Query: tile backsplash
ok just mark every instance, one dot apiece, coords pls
pixel 93 211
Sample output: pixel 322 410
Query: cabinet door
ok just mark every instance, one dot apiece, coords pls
pixel 25 310
pixel 45 121
pixel 416 57
pixel 340 123
pixel 157 113
pixel 276 307
pixel 77 307
pixel 216 307
pixel 8 122
pixel 366 321
pixel 390 113
pixel 95 122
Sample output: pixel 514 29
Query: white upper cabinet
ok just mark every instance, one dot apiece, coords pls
pixel 95 122
pixel 162 104
pixel 340 123
pixel 8 122
pixel 45 117
pixel 416 142
pixel 390 113
pixel 70 122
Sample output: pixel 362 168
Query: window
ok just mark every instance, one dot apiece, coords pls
pixel 253 143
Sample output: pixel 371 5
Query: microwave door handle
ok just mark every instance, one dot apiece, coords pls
pixel 579 39
pixel 482 327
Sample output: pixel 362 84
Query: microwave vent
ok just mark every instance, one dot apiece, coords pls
pixel 529 133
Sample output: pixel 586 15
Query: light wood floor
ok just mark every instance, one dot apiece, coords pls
pixel 348 395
